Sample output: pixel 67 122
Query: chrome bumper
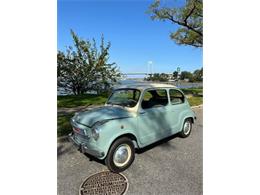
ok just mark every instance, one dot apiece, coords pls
pixel 83 148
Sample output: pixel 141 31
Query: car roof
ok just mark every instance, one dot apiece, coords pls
pixel 143 86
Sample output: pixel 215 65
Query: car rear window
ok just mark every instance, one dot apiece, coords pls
pixel 176 97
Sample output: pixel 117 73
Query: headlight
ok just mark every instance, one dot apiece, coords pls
pixel 95 132
pixel 96 128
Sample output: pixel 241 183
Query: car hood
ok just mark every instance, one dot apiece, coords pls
pixel 89 118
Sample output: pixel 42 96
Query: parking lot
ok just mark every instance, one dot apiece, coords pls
pixel 171 166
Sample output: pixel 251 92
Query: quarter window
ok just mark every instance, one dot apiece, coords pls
pixel 176 97
pixel 154 98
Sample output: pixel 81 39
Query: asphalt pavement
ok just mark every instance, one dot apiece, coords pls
pixel 171 166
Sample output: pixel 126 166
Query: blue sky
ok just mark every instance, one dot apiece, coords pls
pixel 135 38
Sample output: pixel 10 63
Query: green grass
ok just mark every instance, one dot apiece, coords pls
pixel 195 95
pixel 63 123
pixel 71 101
pixel 195 101
pixel 193 91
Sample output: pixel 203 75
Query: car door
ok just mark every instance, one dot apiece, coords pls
pixel 177 106
pixel 152 116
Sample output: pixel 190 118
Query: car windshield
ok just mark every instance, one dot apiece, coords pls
pixel 124 97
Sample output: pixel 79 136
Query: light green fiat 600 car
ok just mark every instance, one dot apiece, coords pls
pixel 133 117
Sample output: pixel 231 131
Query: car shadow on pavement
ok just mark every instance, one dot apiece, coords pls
pixel 164 143
pixel 161 143
pixel 92 158
pixel 61 150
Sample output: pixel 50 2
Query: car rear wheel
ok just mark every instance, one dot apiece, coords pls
pixel 186 129
pixel 121 155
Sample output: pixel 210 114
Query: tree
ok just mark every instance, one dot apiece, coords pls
pixel 84 67
pixel 175 75
pixel 186 75
pixel 158 77
pixel 198 74
pixel 188 18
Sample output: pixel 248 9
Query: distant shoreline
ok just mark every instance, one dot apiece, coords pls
pixel 180 84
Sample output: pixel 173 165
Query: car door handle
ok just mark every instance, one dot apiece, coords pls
pixel 142 112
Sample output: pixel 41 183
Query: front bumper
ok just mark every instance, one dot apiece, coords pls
pixel 83 147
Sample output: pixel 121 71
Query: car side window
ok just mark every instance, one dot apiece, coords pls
pixel 176 97
pixel 154 98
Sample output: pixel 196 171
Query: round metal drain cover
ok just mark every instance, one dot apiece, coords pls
pixel 104 183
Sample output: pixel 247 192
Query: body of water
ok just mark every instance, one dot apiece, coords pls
pixel 180 85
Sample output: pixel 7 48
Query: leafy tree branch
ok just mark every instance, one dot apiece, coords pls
pixel 189 18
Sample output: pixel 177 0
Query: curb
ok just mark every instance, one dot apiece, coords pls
pixel 197 106
pixel 62 138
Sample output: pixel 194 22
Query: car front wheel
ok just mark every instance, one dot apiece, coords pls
pixel 186 129
pixel 121 155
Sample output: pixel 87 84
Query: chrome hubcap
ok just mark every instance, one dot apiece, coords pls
pixel 122 155
pixel 186 128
